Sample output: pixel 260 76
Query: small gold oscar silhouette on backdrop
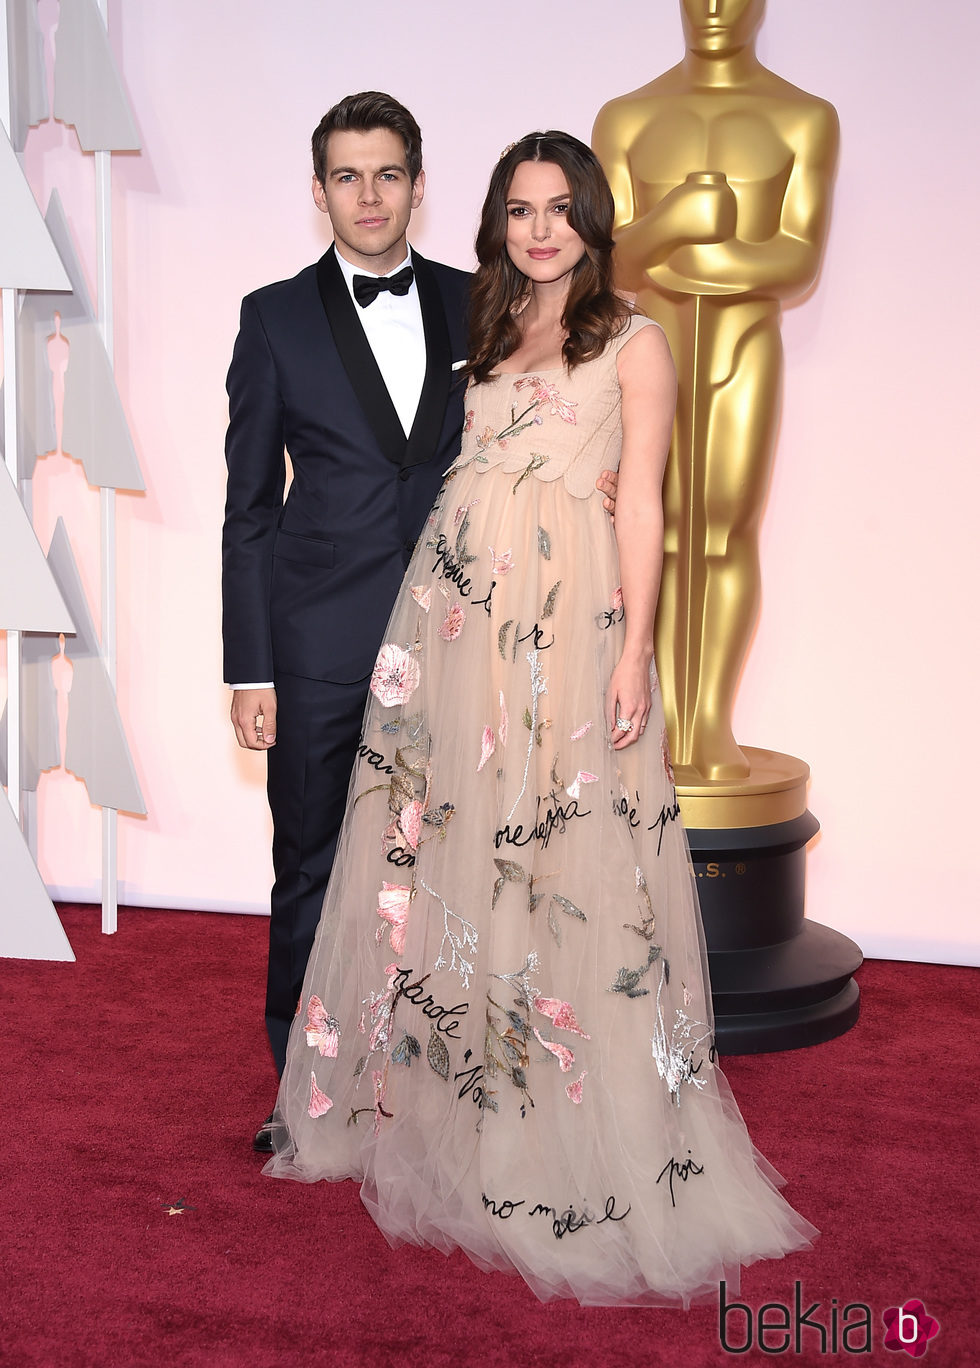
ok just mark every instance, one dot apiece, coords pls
pixel 722 175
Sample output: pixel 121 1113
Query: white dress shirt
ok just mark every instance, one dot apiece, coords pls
pixel 393 327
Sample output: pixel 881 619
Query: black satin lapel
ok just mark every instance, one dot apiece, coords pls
pixel 358 359
pixel 423 441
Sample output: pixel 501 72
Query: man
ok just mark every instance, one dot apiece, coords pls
pixel 350 367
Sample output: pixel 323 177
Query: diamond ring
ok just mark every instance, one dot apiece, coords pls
pixel 623 724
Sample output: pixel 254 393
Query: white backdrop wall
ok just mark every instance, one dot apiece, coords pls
pixel 865 657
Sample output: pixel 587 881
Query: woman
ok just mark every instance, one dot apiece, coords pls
pixel 505 1028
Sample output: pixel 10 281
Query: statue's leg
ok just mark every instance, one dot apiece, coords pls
pixel 737 440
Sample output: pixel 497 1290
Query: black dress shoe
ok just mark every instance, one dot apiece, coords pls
pixel 262 1144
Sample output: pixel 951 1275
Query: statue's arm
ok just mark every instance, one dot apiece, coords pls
pixel 786 263
pixel 687 214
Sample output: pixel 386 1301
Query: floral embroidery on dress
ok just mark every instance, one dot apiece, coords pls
pixel 574 1090
pixel 674 1056
pixel 502 562
pixel 422 594
pixel 396 676
pixel 410 822
pixel 487 747
pixel 544 543
pixel 550 395
pixel 393 904
pixel 320 1103
pixel 583 777
pixel 453 625
pixel 407 1049
pixel 504 721
pixel 579 732
pixel 322 1029
pixel 665 755
pixel 561 1013
pixel 627 980
pixel 562 1053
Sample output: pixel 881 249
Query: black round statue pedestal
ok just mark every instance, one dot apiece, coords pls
pixel 778 981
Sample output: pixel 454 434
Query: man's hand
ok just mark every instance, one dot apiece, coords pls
pixel 253 715
pixel 607 484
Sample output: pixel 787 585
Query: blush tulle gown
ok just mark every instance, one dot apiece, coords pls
pixel 505 1032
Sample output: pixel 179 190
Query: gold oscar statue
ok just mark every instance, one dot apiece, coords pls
pixel 721 173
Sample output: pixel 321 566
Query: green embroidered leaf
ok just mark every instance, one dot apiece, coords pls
pixel 533 900
pixel 549 603
pixel 553 926
pixel 513 1054
pixel 437 1053
pixel 510 870
pixel 568 907
pixel 407 1049
pixel 360 1066
pixel 498 885
pixel 528 719
pixel 544 543
pixel 502 638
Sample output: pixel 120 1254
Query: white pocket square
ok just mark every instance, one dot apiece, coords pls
pixel 458 365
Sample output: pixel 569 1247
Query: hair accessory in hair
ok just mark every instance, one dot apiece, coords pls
pixel 509 148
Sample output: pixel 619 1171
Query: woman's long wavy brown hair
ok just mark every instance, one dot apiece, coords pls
pixel 594 313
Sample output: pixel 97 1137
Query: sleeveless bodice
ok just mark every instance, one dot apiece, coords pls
pixel 551 424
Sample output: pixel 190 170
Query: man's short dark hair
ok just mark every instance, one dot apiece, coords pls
pixel 363 113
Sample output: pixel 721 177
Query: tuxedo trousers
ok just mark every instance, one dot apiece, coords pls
pixel 318 729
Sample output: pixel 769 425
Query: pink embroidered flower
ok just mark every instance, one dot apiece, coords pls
pixel 579 732
pixel 574 1090
pixel 561 1013
pixel 396 676
pixel 322 1029
pixel 410 821
pixel 393 904
pixel 486 438
pixel 561 1052
pixel 468 422
pixel 453 625
pixel 616 602
pixel 501 563
pixel 583 777
pixel 422 594
pixel 320 1103
pixel 503 719
pixel 549 394
pixel 487 748
pixel 665 755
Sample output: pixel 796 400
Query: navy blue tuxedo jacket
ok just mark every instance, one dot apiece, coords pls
pixel 308 583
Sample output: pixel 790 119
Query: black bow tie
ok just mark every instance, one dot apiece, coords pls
pixel 367 288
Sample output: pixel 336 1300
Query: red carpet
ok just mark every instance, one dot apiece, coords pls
pixel 135 1077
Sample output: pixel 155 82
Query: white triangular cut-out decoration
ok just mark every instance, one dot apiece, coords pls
pixel 88 91
pixel 35 398
pixel 40 744
pixel 95 749
pixel 29 925
pixel 28 260
pixel 94 428
pixel 30 600
pixel 76 307
pixel 28 80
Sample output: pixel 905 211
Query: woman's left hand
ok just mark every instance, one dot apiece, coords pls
pixel 628 702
